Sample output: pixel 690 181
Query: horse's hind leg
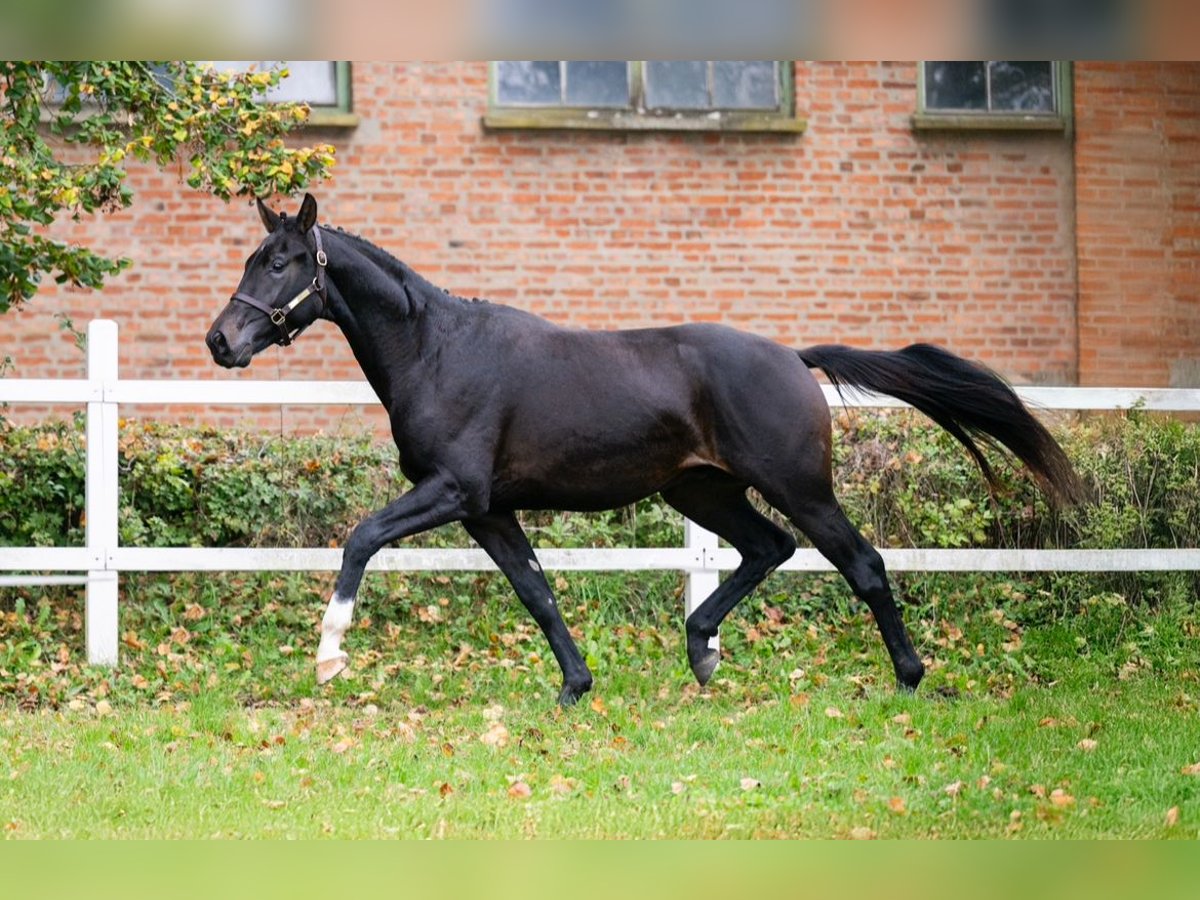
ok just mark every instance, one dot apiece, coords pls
pixel 822 520
pixel 500 535
pixel 718 503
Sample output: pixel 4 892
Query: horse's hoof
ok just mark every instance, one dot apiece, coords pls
pixel 907 680
pixel 329 669
pixel 704 665
pixel 570 694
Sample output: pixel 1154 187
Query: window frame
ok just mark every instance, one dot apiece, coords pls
pixel 637 117
pixel 982 119
pixel 340 113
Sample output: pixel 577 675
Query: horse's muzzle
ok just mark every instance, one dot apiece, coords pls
pixel 222 354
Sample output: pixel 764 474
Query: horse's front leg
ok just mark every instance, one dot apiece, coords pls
pixel 432 502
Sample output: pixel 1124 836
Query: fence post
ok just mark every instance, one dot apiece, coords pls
pixel 101 604
pixel 700 584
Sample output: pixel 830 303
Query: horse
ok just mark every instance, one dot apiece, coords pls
pixel 495 410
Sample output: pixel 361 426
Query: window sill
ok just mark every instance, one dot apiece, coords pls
pixel 331 118
pixel 986 122
pixel 627 120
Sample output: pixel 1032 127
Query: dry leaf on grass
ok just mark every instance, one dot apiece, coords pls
pixel 1061 798
pixel 496 736
pixel 519 790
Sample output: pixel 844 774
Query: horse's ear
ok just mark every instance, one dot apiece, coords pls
pixel 307 217
pixel 270 218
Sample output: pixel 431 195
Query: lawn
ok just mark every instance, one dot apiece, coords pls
pixel 1049 711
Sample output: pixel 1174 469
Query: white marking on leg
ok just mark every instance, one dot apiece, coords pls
pixel 533 564
pixel 333 626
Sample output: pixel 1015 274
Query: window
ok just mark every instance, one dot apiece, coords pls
pixel 992 94
pixel 750 95
pixel 323 84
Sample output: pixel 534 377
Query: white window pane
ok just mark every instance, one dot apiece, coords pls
pixel 309 81
pixel 677 85
pixel 745 85
pixel 529 81
pixel 1022 86
pixel 594 83
pixel 955 85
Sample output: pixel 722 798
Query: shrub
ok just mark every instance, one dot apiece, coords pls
pixel 903 480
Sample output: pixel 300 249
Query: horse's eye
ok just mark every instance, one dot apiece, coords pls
pixel 278 265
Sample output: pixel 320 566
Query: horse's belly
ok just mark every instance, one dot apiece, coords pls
pixel 601 478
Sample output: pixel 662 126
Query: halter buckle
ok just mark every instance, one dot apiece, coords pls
pixel 322 259
pixel 278 316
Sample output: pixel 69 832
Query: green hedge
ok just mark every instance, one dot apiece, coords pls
pixel 903 480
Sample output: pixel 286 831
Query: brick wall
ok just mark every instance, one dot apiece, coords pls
pixel 860 230
pixel 1138 177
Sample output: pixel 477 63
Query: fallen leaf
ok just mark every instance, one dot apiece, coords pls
pixel 275 804
pixel 445 790
pixel 1087 745
pixel 104 708
pixel 496 736
pixel 953 789
pixel 749 784
pixel 799 701
pixel 1172 817
pixel 833 712
pixel 1193 769
pixel 862 833
pixel 678 787
pixel 562 786
pixel 519 790
pixel 1061 798
pixel 343 745
pixel 598 706
pixel 896 805
pixel 902 719
pixel 194 612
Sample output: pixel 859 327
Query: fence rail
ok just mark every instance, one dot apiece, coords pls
pixel 98 564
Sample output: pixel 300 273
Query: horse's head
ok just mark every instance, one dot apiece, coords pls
pixel 281 293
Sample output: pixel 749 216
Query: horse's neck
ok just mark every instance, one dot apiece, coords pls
pixel 381 309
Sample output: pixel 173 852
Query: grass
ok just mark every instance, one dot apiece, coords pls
pixel 1049 711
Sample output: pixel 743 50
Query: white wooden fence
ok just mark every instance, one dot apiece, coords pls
pixel 99 563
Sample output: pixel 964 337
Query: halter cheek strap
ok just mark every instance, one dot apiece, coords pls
pixel 279 314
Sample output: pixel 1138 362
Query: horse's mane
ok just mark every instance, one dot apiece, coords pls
pixel 397 268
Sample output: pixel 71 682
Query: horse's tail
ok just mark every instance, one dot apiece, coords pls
pixel 967 399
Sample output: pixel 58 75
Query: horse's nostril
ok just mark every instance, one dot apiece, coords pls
pixel 217 341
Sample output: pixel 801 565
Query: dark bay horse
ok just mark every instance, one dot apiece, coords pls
pixel 495 410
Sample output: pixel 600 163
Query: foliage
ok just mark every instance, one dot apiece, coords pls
pixel 904 481
pixel 153 112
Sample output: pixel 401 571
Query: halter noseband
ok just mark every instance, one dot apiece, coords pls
pixel 279 314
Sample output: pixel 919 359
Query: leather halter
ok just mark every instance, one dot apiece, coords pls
pixel 279 314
